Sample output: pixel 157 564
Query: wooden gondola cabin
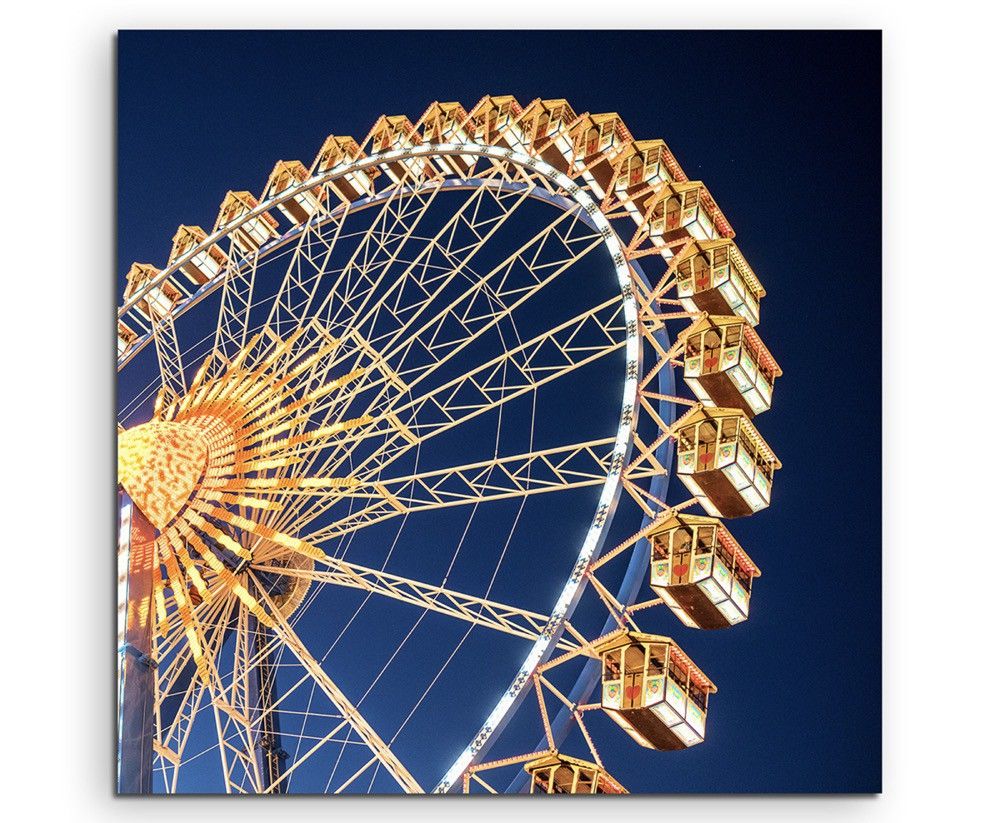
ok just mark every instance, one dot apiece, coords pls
pixel 397 133
pixel 494 117
pixel 561 774
pixel 206 265
pixel 288 174
pixel 726 364
pixel 126 337
pixel 343 150
pixel 157 302
pixel 644 166
pixel 545 131
pixel 699 570
pixel 251 234
pixel 448 123
pixel 598 139
pixel 713 276
pixel 675 211
pixel 724 461
pixel 653 690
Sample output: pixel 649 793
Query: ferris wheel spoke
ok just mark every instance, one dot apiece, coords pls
pixel 307 267
pixel 235 305
pixel 172 734
pixel 396 343
pixel 515 476
pixel 169 360
pixel 286 634
pixel 497 294
pixel 477 610
pixel 464 233
pixel 380 247
pixel 438 349
pixel 512 374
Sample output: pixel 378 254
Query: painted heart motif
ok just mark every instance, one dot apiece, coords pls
pixel 711 362
pixel 632 692
pixel 681 569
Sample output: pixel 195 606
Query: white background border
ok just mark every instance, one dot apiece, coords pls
pixel 940 113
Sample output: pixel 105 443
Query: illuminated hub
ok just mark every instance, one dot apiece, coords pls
pixel 159 465
pixel 213 464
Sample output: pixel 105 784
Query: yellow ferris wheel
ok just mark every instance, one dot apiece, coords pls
pixel 417 470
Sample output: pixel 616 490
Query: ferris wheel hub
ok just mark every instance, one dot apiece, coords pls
pixel 160 465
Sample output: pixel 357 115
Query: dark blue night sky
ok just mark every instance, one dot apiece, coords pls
pixel 785 129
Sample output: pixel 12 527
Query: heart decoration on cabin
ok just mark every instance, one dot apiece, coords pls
pixel 681 569
pixel 632 692
pixel 711 362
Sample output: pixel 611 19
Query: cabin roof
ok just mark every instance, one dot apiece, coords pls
pixel 437 107
pixel 296 168
pixel 559 759
pixel 702 412
pixel 189 231
pixel 347 146
pixel 496 100
pixel 138 271
pixel 554 758
pixel 199 235
pixel 248 202
pixel 623 637
pixel 339 141
pixel 620 128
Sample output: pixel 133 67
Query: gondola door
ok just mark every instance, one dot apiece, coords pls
pixel 634 680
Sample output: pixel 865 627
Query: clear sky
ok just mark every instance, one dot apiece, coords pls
pixel 785 129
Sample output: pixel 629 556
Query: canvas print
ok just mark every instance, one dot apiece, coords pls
pixel 463 444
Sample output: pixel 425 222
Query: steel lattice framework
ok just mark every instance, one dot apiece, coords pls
pixel 370 308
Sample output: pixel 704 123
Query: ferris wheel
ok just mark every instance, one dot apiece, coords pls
pixel 394 451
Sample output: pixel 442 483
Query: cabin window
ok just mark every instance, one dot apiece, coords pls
pixel 730 429
pixel 635 171
pixel 706 444
pixel 612 666
pixel 677 674
pixel 698 696
pixel 733 335
pixel 661 547
pixel 681 541
pixel 702 273
pixel 686 438
pixel 706 538
pixel 672 212
pixel 721 256
pixel 657 659
pixel 712 346
pixel 694 344
pixel 635 659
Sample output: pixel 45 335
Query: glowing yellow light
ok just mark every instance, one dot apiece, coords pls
pixel 159 465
